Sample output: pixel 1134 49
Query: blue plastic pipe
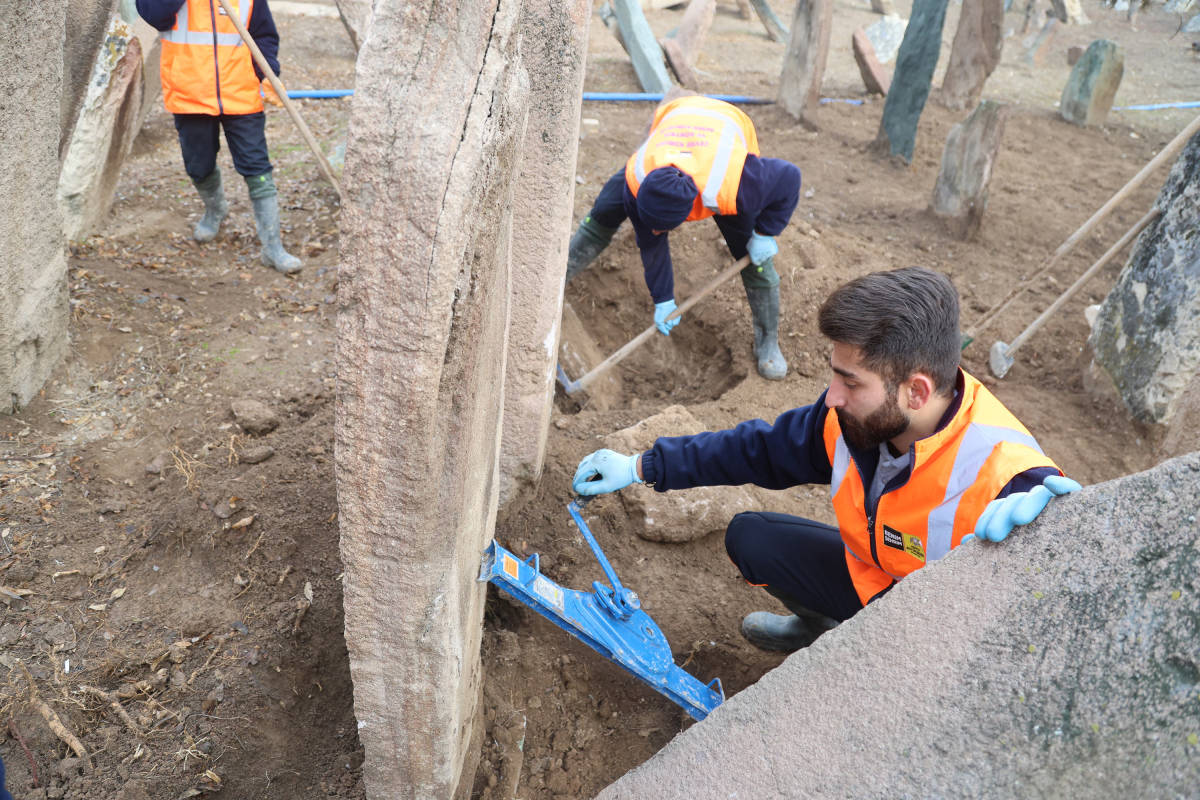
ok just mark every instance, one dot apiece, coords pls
pixel 319 94
pixel 1160 106
pixel 613 97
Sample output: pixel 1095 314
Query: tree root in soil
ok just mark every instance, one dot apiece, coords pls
pixel 60 730
pixel 12 727
pixel 115 704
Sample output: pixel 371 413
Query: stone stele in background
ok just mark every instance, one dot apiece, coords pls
pixel 1146 340
pixel 104 132
pixel 675 516
pixel 874 76
pixel 886 34
pixel 1070 12
pixel 804 60
pixel 1040 48
pixel 974 54
pixel 436 136
pixel 1095 78
pixel 915 64
pixel 356 16
pixel 960 195
pixel 1060 663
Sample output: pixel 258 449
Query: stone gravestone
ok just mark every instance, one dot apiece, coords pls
pixel 1060 663
pixel 910 83
pixel 776 31
pixel 643 48
pixel 104 132
pixel 961 193
pixel 682 47
pixel 553 51
pixel 1146 340
pixel 874 76
pixel 885 7
pixel 356 16
pixel 1040 49
pixel 436 135
pixel 87 21
pixel 804 61
pixel 33 263
pixel 1095 78
pixel 975 53
pixel 886 34
pixel 1070 12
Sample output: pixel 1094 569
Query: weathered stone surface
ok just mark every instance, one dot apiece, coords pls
pixel 33 266
pixel 356 16
pixel 885 7
pixel 254 417
pixel 1035 18
pixel 436 135
pixel 886 35
pixel 1039 51
pixel 1178 6
pixel 104 132
pixel 675 516
pixel 1183 435
pixel 151 69
pixel 683 47
pixel 1061 663
pixel 874 76
pixel 679 65
pixel 961 193
pixel 776 31
pixel 578 355
pixel 1089 93
pixel 1193 25
pixel 1146 339
pixel 804 60
pixel 609 17
pixel 974 54
pixel 1070 12
pixel 256 454
pixel 910 83
pixel 1074 54
pixel 554 51
pixel 642 47
pixel 83 36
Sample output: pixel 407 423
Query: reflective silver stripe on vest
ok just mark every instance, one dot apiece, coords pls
pixel 841 463
pixel 731 131
pixel 974 450
pixel 182 35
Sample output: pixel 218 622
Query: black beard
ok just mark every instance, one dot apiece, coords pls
pixel 884 423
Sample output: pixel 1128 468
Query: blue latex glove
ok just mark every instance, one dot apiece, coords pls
pixel 615 470
pixel 761 248
pixel 661 312
pixel 1022 508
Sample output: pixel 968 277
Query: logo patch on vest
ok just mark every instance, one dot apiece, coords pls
pixel 903 541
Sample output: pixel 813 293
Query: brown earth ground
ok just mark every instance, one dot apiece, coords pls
pixel 208 595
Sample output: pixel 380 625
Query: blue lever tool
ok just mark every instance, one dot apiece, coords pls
pixel 609 620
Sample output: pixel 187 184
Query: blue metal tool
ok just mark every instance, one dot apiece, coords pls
pixel 609 620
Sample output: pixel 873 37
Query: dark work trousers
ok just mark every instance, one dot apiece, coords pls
pixel 802 558
pixel 609 211
pixel 200 141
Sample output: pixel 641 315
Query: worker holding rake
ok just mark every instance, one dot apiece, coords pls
pixel 700 160
pixel 210 82
pixel 918 455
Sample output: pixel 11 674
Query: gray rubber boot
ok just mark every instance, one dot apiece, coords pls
pixel 589 241
pixel 216 209
pixel 776 632
pixel 819 623
pixel 764 308
pixel 266 218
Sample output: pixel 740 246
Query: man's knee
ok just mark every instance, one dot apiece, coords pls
pixel 742 530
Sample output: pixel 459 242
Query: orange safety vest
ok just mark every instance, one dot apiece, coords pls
pixel 955 474
pixel 207 71
pixel 707 139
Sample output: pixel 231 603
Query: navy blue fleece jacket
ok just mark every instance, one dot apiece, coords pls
pixel 767 196
pixel 160 14
pixel 789 453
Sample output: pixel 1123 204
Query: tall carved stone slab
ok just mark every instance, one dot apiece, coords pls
pixel 1095 78
pixel 434 152
pixel 104 132
pixel 356 16
pixel 874 76
pixel 644 50
pixel 1146 339
pixel 910 83
pixel 33 266
pixel 1056 664
pixel 804 61
pixel 961 193
pixel 86 23
pixel 554 50
pixel 974 54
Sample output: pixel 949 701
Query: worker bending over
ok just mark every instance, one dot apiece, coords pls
pixel 701 160
pixel 918 455
pixel 210 81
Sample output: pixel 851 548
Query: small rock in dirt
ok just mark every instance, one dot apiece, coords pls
pixel 238 580
pixel 69 767
pixel 9 634
pixel 256 455
pixel 21 572
pixel 133 790
pixel 316 451
pixel 675 516
pixel 113 507
pixel 508 648
pixel 214 699
pixel 178 680
pixel 254 417
pixel 159 463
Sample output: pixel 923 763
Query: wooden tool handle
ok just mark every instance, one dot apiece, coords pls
pixel 322 162
pixel 640 339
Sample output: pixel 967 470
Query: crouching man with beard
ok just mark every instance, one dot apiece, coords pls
pixel 918 455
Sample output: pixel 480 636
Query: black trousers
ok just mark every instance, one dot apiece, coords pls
pixel 797 556
pixel 200 140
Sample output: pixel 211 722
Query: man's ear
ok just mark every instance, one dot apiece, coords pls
pixel 920 390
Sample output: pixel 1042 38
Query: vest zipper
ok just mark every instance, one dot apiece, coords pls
pixel 216 58
pixel 870 517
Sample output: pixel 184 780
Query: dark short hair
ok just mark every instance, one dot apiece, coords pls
pixel 904 321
